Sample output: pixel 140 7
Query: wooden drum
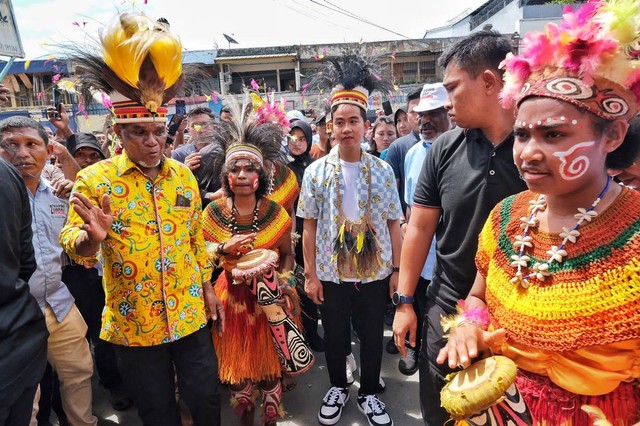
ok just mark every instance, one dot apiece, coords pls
pixel 485 394
pixel 258 270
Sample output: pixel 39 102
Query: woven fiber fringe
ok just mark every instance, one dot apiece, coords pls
pixel 553 406
pixel 246 349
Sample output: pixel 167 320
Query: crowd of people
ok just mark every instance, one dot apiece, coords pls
pixel 495 215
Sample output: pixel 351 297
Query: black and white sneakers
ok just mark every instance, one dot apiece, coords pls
pixel 332 405
pixel 374 409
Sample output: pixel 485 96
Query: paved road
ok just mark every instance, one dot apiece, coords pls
pixel 302 404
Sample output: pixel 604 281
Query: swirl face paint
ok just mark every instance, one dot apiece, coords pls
pixel 573 164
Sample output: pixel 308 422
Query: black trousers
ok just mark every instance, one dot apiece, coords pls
pixel 149 378
pixel 432 374
pixel 366 303
pixel 85 286
pixel 19 413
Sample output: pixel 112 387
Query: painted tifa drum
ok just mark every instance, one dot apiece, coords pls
pixel 258 270
pixel 485 394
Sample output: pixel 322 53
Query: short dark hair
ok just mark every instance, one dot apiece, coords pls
pixel 21 121
pixel 201 110
pixel 415 94
pixel 477 52
pixel 627 153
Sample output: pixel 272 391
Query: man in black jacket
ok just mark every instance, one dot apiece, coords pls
pixel 23 332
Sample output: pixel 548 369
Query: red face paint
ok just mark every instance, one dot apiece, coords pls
pixel 255 183
pixel 231 180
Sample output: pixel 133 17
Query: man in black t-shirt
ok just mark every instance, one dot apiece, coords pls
pixel 465 174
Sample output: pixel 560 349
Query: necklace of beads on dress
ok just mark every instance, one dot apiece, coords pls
pixel 557 254
pixel 233 224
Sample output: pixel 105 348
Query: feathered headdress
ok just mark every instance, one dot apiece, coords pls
pixel 589 60
pixel 138 64
pixel 351 78
pixel 245 136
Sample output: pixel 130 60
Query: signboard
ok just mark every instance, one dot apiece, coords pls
pixel 10 44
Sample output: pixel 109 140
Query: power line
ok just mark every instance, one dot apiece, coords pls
pixel 338 9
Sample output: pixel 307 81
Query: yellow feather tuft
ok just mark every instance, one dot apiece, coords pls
pixel 131 39
pixel 596 414
pixel 621 18
pixel 359 242
pixel 166 55
pixel 256 101
pixel 341 234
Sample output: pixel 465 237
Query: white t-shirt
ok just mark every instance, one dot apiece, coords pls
pixel 350 174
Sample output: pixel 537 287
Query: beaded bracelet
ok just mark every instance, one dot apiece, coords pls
pixel 478 317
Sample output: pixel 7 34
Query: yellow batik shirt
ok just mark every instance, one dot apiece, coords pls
pixel 154 253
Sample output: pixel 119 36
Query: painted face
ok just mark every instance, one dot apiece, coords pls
pixel 86 156
pixel 348 126
pixel 25 149
pixel 297 141
pixel 402 126
pixel 465 101
pixel 384 135
pixel 556 148
pixel 433 123
pixel 143 143
pixel 243 177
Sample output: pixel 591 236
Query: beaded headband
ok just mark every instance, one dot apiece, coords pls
pixel 358 96
pixel 590 60
pixel 242 151
pixel 129 111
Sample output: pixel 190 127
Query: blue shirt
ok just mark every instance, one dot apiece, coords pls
pixel 317 201
pixel 412 167
pixel 181 152
pixel 48 215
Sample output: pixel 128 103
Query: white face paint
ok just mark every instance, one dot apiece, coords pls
pixel 572 164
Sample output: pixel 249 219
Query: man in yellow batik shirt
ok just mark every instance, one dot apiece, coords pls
pixel 141 213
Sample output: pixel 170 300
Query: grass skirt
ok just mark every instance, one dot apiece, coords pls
pixel 246 349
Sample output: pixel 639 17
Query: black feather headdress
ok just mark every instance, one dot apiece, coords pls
pixel 244 131
pixel 352 77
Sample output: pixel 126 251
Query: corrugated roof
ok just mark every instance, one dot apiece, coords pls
pixel 277 55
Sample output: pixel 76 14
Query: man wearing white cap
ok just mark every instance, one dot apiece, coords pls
pixel 433 121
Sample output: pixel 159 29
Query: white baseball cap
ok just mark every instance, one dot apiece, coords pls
pixel 294 115
pixel 433 96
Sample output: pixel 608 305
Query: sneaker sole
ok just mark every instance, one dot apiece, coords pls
pixel 334 420
pixel 368 421
pixel 408 372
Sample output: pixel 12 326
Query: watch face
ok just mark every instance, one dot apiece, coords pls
pixel 395 299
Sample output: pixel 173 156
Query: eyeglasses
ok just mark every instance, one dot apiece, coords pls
pixel 294 139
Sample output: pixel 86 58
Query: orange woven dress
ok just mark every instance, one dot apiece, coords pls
pixel 246 349
pixel 575 335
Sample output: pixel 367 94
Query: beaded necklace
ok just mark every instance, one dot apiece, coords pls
pixel 233 223
pixel 557 254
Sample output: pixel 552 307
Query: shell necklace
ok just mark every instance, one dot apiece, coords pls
pixel 233 223
pixel 557 254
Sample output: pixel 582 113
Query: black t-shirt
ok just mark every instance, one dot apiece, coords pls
pixel 465 176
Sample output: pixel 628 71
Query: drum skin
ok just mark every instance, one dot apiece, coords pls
pixel 477 387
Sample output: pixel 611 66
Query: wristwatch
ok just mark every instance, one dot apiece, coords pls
pixel 399 299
